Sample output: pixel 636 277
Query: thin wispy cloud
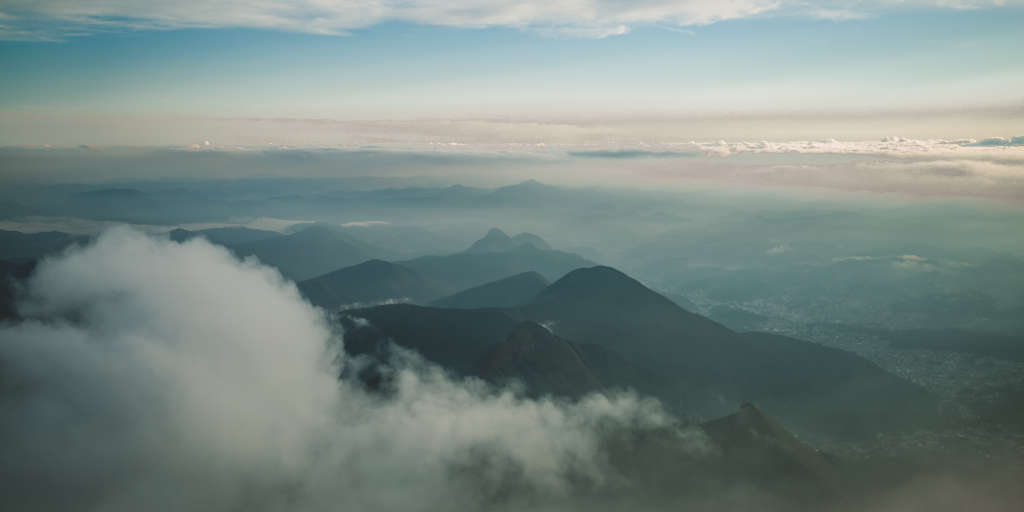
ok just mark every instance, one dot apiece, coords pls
pixel 58 19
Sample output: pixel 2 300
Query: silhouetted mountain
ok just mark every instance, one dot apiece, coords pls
pixel 504 293
pixel 455 338
pixel 112 193
pixel 366 283
pixel 497 241
pixel 308 253
pixel 545 363
pixel 524 194
pixel 465 270
pixel 12 274
pixel 224 236
pixel 18 245
pixel 403 240
pixel 711 367
pixel 680 301
pixel 126 204
pixel 492 344
pixel 629 336
pixel 762 446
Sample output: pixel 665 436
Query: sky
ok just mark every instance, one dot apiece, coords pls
pixel 131 72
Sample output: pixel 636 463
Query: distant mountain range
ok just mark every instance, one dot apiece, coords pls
pixel 497 241
pixel 496 316
pixel 223 236
pixel 496 271
pixel 367 283
pixel 15 245
pixel 464 270
pixel 310 252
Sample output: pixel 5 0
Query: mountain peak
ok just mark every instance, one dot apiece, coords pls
pixel 495 233
pixel 497 240
pixel 600 281
pixel 530 239
pixel 545 363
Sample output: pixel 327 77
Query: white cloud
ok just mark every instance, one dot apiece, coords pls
pixel 153 375
pixel 364 223
pixel 888 146
pixel 48 19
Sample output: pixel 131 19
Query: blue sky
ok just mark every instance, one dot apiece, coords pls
pixel 924 58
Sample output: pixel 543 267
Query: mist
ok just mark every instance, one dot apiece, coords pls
pixel 154 375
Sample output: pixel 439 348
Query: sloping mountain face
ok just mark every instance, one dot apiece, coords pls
pixel 313 251
pixel 12 275
pixel 527 193
pixel 497 241
pixel 743 461
pixel 758 445
pixel 627 336
pixel 495 345
pixel 223 236
pixel 465 270
pixel 543 362
pixel 509 292
pixel 711 367
pixel 367 283
pixel 531 239
pixel 17 245
pixel 454 338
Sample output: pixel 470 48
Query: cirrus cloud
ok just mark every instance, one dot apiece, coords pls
pixel 56 19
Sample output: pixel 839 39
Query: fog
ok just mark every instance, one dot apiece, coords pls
pixel 151 375
pixel 155 375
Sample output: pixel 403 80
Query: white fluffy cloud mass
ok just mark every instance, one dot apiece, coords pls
pixel 41 19
pixel 151 375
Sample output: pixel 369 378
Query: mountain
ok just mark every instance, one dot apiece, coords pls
pixel 491 344
pixel 712 367
pixel 223 236
pixel 457 339
pixel 527 193
pixel 680 301
pixel 366 283
pixel 543 362
pixel 313 251
pixel 17 245
pixel 504 293
pixel 123 204
pixel 497 241
pixel 465 270
pixel 12 273
pixel 759 444
pixel 628 336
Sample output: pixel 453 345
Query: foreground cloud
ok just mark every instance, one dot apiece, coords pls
pixel 152 375
pixel 49 19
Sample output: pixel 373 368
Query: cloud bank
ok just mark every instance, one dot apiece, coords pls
pixel 887 146
pixel 151 375
pixel 54 19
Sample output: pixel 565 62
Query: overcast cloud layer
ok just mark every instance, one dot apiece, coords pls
pixel 54 19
